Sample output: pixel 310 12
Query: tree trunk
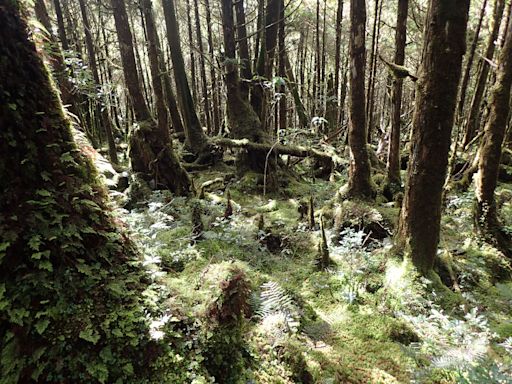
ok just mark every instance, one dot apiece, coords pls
pixel 486 217
pixel 243 48
pixel 150 148
pixel 436 96
pixel 60 23
pixel 469 64
pixel 243 120
pixel 154 51
pixel 101 113
pixel 394 179
pixel 282 69
pixel 265 63
pixel 202 69
pixel 61 247
pixel 191 44
pixel 373 69
pixel 56 58
pixel 337 57
pixel 299 106
pixel 213 76
pixel 473 121
pixel 359 183
pixel 196 139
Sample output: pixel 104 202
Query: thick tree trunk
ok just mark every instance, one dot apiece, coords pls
pixel 436 96
pixel 486 217
pixel 196 138
pixel 359 183
pixel 150 148
pixel 394 140
pixel 61 247
pixel 473 120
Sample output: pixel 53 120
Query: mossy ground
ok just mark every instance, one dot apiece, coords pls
pixel 361 321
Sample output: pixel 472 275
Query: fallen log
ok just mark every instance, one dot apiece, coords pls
pixel 295 150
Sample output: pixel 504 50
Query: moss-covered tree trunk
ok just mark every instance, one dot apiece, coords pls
pixel 394 178
pixel 444 46
pixel 63 258
pixel 150 148
pixel 486 178
pixel 359 183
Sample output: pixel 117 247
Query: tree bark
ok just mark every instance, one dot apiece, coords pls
pixel 131 76
pixel 243 120
pixel 337 57
pixel 265 62
pixel 299 106
pixel 202 69
pixel 60 23
pixel 469 64
pixel 473 120
pixel 373 69
pixel 61 247
pixel 195 137
pixel 101 113
pixel 486 217
pixel 243 48
pixel 359 184
pixel 150 148
pixel 192 56
pixel 394 178
pixel 154 51
pixel 436 95
pixel 216 115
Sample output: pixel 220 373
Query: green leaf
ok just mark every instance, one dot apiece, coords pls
pixel 43 192
pixel 42 325
pixel 66 158
pixel 90 335
pixel 3 301
pixel 128 368
pixel 47 265
pixel 3 248
pixel 34 242
pixel 17 315
pixel 39 255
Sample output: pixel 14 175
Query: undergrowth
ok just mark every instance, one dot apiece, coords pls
pixel 368 318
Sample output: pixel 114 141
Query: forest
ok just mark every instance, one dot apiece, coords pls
pixel 255 191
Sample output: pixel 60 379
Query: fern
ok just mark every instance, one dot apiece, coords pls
pixel 273 300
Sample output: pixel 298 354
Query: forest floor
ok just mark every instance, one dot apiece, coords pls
pixel 367 318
